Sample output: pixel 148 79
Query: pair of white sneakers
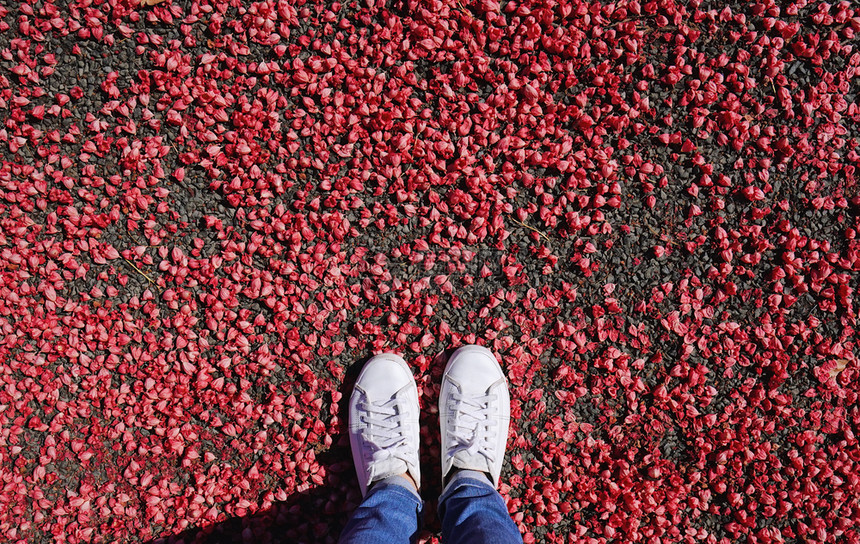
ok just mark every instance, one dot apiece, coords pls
pixel 474 415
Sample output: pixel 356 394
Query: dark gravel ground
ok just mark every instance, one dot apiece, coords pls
pixel 199 250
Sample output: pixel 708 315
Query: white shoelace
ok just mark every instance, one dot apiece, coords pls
pixel 384 430
pixel 470 426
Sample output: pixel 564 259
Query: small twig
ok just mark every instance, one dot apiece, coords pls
pixel 532 228
pixel 142 273
pixel 621 22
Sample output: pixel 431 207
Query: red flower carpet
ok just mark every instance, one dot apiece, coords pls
pixel 213 212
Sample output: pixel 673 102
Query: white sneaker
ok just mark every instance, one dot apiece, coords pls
pixel 383 421
pixel 474 413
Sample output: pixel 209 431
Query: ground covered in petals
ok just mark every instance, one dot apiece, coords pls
pixel 212 212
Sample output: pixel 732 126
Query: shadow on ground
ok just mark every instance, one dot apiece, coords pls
pixel 318 515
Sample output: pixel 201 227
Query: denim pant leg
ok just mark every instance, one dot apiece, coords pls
pixel 473 512
pixel 389 514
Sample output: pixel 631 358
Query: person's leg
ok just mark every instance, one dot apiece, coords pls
pixel 384 437
pixel 389 514
pixel 474 416
pixel 473 512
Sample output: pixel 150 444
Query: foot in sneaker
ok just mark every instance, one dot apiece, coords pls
pixel 383 421
pixel 474 413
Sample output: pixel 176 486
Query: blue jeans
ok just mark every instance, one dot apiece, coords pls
pixel 472 511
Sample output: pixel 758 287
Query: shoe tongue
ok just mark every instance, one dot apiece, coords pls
pixel 472 461
pixel 387 467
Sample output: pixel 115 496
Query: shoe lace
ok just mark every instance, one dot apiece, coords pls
pixel 384 430
pixel 470 428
